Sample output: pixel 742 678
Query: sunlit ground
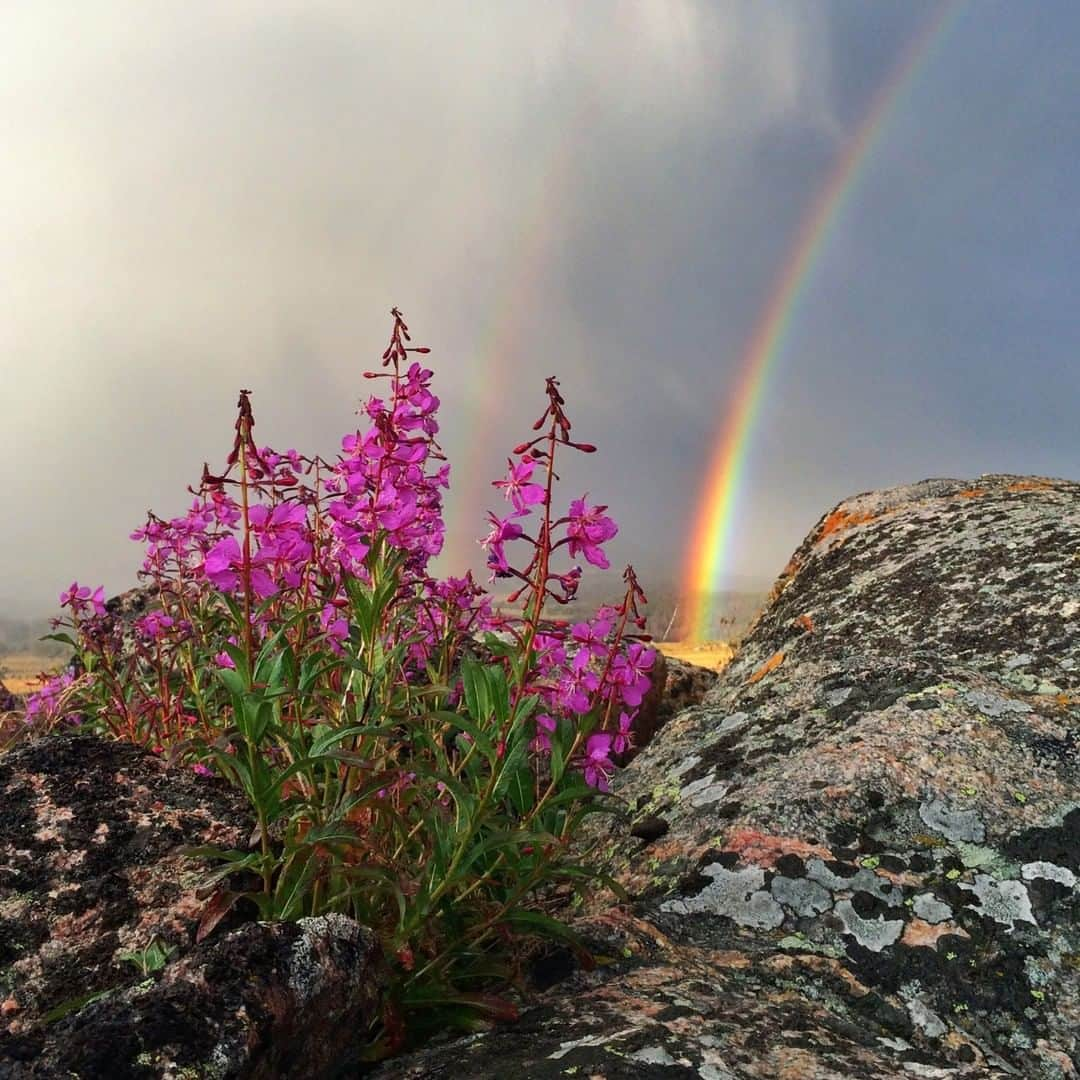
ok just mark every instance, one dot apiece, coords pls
pixel 710 654
pixel 19 670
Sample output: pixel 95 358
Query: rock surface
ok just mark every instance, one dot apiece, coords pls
pixel 90 869
pixel 870 865
pixel 262 1002
pixel 685 685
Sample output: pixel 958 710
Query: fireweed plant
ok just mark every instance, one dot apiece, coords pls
pixel 413 758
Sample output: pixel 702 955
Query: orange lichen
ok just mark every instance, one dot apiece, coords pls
pixel 1029 485
pixel 806 622
pixel 971 493
pixel 920 932
pixel 839 520
pixel 762 849
pixel 771 664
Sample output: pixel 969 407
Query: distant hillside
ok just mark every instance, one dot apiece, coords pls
pixel 24 636
pixel 667 610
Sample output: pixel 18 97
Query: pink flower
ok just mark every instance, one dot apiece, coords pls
pixel 592 636
pixel 630 671
pixel 155 624
pixel 545 728
pixel 586 530
pixel 334 626
pixel 79 596
pixel 517 487
pixel 598 765
pixel 224 563
pixel 503 529
pixel 624 739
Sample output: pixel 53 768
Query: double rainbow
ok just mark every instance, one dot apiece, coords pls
pixel 709 548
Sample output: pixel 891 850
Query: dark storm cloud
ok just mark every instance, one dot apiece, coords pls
pixel 207 199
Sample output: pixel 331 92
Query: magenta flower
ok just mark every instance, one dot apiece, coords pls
pixel 44 703
pixel 545 728
pixel 631 672
pixel 395 509
pixel 154 625
pixel 78 597
pixel 283 519
pixel 575 689
pixel 334 626
pixel 503 530
pixel 592 636
pixel 586 530
pixel 598 765
pixel 517 488
pixel 624 738
pixel 224 564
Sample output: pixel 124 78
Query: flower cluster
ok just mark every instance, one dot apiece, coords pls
pixel 383 479
pixel 408 751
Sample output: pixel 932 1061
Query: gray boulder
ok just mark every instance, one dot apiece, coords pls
pixel 91 869
pixel 870 859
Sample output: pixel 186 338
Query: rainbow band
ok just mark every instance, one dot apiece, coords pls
pixel 707 554
pixel 533 245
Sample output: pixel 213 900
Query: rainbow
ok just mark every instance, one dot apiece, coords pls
pixel 710 541
pixel 532 245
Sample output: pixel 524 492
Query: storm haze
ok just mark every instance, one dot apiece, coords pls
pixel 201 197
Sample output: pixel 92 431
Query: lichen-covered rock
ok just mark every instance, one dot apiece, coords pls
pixel 868 849
pixel 651 715
pixel 90 868
pixel 264 1001
pixel 685 685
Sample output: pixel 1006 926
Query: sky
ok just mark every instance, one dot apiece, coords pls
pixel 199 197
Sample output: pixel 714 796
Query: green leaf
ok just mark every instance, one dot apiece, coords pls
pixel 380 876
pixel 293 886
pixel 512 764
pixel 522 791
pixel 72 1005
pixel 488 1005
pixel 470 727
pixel 558 759
pixel 331 832
pixel 525 708
pixel 536 922
pixel 578 872
pixel 497 647
pixel 239 658
pixel 477 693
pixel 498 692
pixel 232 681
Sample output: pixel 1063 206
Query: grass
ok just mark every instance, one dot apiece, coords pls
pixel 19 670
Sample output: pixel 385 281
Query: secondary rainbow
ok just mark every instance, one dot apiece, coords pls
pixel 533 246
pixel 707 554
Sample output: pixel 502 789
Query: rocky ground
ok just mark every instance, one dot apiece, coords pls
pixel 857 855
pixel 864 845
